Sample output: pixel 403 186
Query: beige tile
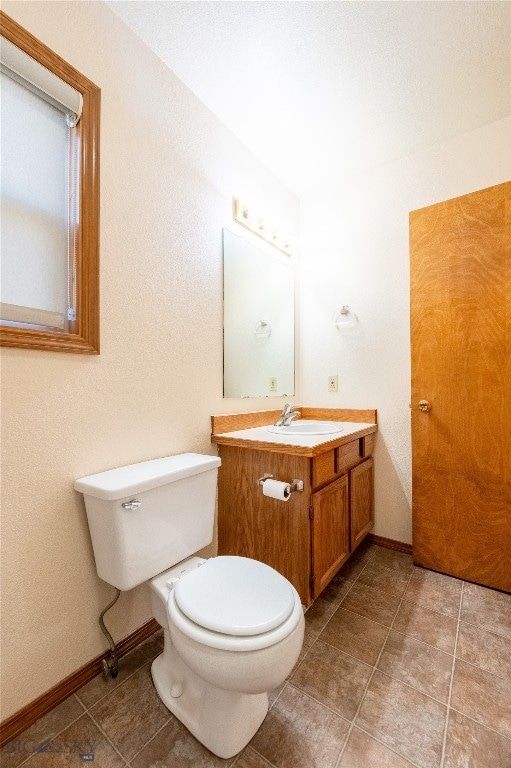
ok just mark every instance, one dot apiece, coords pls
pixel 250 759
pixel 356 635
pixel 365 549
pixel 83 737
pixel 372 603
pixel 19 749
pixel 303 654
pixel 487 608
pixel 434 578
pixel 362 751
pixel 484 649
pixel 100 686
pixel 132 713
pixel 153 646
pixel 435 591
pixel 336 590
pixel 174 746
pixel 275 693
pixel 308 722
pixel 316 618
pixel 470 745
pixel 424 624
pixel 404 719
pixel 333 678
pixel 391 558
pixel 375 575
pixel 357 562
pixel 298 732
pixel 352 569
pixel 417 664
pixel 482 696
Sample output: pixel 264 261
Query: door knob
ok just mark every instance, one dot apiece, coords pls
pixel 424 406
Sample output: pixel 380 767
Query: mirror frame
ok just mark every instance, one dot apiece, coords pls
pixel 83 334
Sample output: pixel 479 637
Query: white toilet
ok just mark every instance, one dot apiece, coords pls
pixel 233 626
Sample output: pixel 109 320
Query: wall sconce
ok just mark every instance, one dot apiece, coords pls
pixel 242 214
pixel 345 318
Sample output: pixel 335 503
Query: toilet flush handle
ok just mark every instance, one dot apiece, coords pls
pixel 133 504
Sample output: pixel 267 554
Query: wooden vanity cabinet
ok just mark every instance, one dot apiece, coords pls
pixel 253 525
pixel 330 533
pixel 342 511
pixel 361 502
pixel 310 536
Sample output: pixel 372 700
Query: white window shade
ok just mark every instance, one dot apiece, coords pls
pixel 39 192
pixel 34 231
pixel 21 67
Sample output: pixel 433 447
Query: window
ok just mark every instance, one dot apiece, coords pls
pixel 50 198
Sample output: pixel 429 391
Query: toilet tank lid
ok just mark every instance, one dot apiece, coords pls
pixel 135 478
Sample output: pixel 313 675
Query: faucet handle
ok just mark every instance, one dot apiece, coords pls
pixel 291 416
pixel 287 415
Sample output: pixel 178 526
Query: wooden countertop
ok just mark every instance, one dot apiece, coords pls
pixel 249 430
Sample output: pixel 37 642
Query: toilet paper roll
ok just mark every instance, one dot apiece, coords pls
pixel 275 489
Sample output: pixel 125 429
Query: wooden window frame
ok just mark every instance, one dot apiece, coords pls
pixel 83 333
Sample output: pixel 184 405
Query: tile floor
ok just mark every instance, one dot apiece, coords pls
pixel 400 667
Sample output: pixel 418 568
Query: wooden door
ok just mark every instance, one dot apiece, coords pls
pixel 330 532
pixel 460 259
pixel 361 502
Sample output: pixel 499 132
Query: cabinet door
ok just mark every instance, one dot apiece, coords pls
pixel 330 532
pixel 361 498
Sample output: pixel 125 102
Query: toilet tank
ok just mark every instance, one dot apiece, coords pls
pixel 146 517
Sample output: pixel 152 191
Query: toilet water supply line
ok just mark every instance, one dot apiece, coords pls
pixel 111 663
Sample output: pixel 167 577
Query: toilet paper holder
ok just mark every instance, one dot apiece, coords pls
pixel 295 485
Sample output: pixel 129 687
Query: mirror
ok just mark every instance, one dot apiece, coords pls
pixel 259 320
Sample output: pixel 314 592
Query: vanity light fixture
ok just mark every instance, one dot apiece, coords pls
pixel 345 318
pixel 242 214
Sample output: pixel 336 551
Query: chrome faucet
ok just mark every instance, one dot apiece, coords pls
pixel 287 416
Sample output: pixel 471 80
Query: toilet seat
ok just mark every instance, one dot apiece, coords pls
pixel 235 596
pixel 245 605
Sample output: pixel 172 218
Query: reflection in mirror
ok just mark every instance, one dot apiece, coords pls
pixel 259 351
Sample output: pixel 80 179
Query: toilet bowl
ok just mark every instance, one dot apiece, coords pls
pixel 233 627
pixel 233 630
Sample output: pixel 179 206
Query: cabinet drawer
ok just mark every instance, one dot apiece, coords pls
pixel 323 468
pixel 367 445
pixel 347 456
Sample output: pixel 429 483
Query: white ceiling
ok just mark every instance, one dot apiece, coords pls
pixel 322 90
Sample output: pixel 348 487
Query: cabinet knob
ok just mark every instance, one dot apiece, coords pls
pixel 424 406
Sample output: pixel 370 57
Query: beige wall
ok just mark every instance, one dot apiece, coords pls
pixel 168 171
pixel 358 236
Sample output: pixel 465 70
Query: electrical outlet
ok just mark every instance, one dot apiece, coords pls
pixel 273 384
pixel 333 383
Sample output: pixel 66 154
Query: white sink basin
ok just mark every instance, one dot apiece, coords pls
pixel 307 427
